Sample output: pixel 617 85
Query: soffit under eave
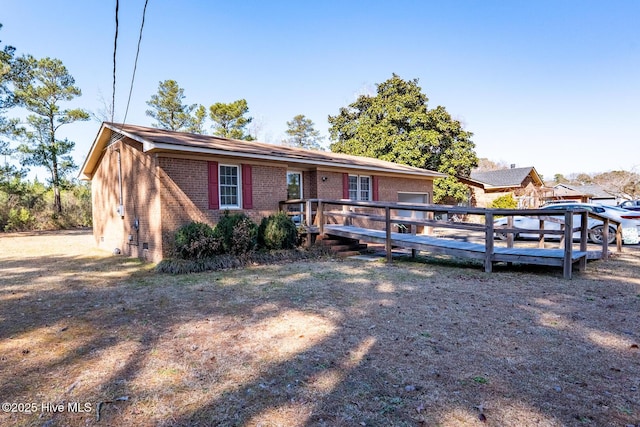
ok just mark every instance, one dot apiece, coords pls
pixel 379 172
pixel 536 176
pixel 95 154
pixel 233 159
pixel 288 163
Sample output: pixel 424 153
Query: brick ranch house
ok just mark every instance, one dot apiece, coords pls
pixel 147 182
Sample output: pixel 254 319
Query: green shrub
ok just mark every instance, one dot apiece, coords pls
pixel 243 238
pixel 277 232
pixel 183 266
pixel 196 240
pixel 504 202
pixel 19 219
pixel 237 233
pixel 224 262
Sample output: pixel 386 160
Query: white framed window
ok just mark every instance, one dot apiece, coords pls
pixel 294 185
pixel 229 186
pixel 359 187
pixel 294 191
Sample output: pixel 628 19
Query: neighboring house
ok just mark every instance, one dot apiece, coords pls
pixel 524 184
pixel 148 182
pixel 583 193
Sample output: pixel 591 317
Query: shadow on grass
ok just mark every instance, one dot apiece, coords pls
pixel 320 343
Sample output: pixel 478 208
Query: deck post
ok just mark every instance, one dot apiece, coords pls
pixel 321 217
pixel 510 236
pixel 308 213
pixel 568 244
pixel 387 222
pixel 605 239
pixel 541 235
pixel 488 246
pixel 584 217
pixel 429 228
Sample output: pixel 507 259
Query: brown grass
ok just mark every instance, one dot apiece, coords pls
pixel 314 343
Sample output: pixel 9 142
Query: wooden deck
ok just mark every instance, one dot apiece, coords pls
pixel 374 222
pixel 538 256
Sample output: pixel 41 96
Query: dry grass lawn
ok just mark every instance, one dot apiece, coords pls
pixel 312 343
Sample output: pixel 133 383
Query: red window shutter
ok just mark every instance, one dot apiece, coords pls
pixel 374 183
pixel 214 202
pixel 247 187
pixel 345 185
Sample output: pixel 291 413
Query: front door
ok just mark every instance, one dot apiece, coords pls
pixel 294 191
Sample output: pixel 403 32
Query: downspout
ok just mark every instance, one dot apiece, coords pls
pixel 121 204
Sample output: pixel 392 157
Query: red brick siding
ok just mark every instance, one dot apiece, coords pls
pixel 185 194
pixel 389 187
pixel 310 184
pixel 331 188
pixel 165 193
pixel 140 201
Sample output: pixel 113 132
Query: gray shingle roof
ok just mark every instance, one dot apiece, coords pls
pixel 503 177
pixel 161 140
pixel 594 190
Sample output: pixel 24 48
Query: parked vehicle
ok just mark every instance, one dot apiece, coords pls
pixel 630 223
pixel 632 205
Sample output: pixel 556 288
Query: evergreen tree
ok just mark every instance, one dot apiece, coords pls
pixel 40 87
pixel 169 111
pixel 396 125
pixel 9 173
pixel 230 121
pixel 302 134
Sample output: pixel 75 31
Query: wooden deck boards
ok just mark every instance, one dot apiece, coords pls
pixel 553 257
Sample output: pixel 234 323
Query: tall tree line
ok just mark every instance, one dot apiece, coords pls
pixel 230 120
pixel 40 87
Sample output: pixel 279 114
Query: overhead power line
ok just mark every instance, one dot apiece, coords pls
pixel 115 48
pixel 135 63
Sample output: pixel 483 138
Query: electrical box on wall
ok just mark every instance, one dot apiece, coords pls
pixel 120 210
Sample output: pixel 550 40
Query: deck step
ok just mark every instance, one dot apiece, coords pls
pixel 341 248
pixel 345 254
pixel 329 242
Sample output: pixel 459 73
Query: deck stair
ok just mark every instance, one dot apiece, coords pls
pixel 342 246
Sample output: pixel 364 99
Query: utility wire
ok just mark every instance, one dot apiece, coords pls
pixel 135 63
pixel 115 48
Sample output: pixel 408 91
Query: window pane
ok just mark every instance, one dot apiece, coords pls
pixel 364 188
pixel 353 187
pixel 228 182
pixel 294 190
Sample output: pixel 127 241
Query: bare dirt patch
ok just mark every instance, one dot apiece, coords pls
pixel 312 343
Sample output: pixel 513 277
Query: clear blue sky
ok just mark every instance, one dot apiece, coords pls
pixel 551 84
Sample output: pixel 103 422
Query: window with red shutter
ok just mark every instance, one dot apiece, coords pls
pixel 345 185
pixel 214 202
pixel 247 187
pixel 376 196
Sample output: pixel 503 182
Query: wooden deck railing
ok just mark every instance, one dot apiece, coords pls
pixel 317 212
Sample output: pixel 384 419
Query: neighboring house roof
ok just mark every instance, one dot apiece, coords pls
pixel 166 141
pixel 504 178
pixel 593 191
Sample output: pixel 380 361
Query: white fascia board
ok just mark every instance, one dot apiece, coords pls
pixel 215 152
pixel 147 145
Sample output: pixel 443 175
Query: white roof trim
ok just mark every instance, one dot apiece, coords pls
pixel 216 152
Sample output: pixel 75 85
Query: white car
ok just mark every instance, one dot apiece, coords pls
pixel 630 223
